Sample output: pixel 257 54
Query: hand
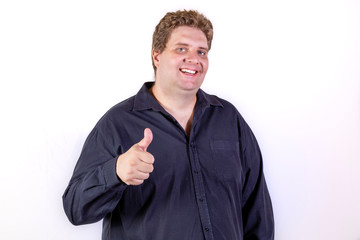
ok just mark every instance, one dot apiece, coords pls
pixel 135 165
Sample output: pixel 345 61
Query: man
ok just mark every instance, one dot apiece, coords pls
pixel 173 162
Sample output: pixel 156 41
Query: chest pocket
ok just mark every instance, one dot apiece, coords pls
pixel 226 159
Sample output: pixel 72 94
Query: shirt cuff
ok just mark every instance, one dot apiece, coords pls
pixel 110 176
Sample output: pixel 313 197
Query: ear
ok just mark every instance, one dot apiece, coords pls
pixel 155 55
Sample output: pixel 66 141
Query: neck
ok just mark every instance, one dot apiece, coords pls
pixel 180 106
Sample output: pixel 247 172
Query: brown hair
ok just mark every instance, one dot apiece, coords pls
pixel 172 20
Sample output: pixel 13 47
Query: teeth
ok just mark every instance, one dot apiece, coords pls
pixel 188 71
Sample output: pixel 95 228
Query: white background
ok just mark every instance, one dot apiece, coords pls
pixel 292 68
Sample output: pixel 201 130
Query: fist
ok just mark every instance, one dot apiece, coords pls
pixel 135 165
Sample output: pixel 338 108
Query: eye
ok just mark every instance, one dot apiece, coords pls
pixel 202 53
pixel 181 49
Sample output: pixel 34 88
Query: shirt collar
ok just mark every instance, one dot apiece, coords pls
pixel 144 100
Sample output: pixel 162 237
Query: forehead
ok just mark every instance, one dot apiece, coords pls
pixel 188 35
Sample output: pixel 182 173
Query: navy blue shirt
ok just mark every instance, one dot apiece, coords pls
pixel 208 185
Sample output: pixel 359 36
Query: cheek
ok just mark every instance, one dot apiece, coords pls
pixel 170 61
pixel 205 65
pixel 165 64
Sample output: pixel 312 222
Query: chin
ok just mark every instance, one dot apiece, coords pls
pixel 192 84
pixel 191 87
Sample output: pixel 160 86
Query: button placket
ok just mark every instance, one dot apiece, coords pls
pixel 200 192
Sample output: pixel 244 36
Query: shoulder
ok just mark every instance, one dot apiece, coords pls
pixel 126 105
pixel 226 110
pixel 226 104
pixel 221 104
pixel 231 112
pixel 116 114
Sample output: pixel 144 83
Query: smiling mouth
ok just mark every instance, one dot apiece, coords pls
pixel 188 71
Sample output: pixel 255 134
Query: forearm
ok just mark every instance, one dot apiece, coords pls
pixel 258 213
pixel 258 219
pixel 90 197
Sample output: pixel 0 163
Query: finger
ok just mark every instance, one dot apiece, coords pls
pixel 145 168
pixel 142 176
pixel 145 142
pixel 138 179
pixel 146 157
pixel 135 182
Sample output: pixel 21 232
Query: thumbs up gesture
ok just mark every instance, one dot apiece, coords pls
pixel 135 165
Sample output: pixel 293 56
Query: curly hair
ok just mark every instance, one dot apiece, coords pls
pixel 176 19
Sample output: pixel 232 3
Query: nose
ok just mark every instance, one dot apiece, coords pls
pixel 191 57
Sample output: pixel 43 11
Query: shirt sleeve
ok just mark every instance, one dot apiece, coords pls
pixel 258 219
pixel 94 189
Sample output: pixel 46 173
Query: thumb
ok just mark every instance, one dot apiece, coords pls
pixel 148 137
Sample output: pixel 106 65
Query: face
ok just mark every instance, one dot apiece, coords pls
pixel 183 64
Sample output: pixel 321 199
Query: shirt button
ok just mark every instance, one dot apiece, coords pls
pixel 201 200
pixel 196 171
pixel 207 229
